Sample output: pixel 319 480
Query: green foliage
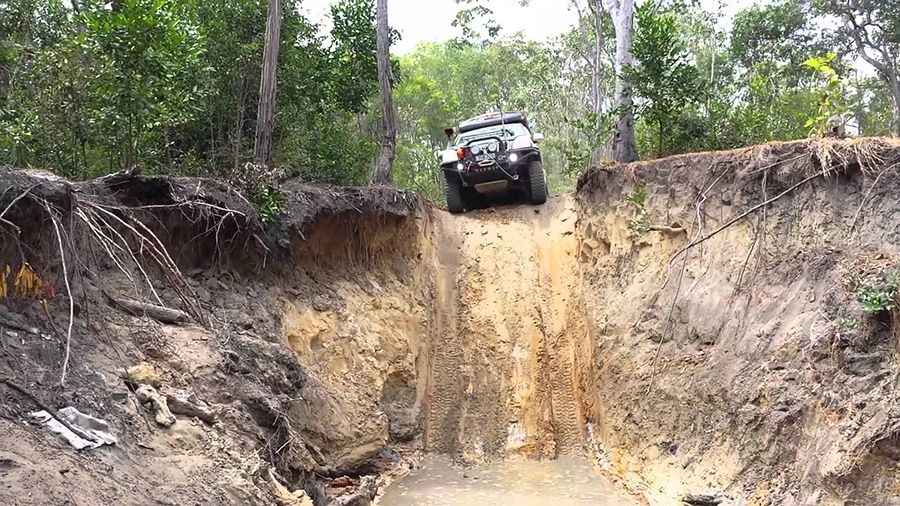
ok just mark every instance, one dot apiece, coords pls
pixel 171 86
pixel 640 223
pixel 268 202
pixel 832 102
pixel 780 31
pixel 879 294
pixel 847 324
pixel 870 105
pixel 327 149
pixel 146 60
pixel 476 22
pixel 352 53
pixel 872 29
pixel 638 196
pixel 664 80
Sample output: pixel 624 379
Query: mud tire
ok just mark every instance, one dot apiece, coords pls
pixel 537 182
pixel 453 193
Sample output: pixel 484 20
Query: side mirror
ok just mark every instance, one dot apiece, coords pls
pixel 538 138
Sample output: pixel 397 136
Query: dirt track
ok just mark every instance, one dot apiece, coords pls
pixel 503 375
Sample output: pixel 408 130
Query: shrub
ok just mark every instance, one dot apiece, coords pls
pixel 640 223
pixel 879 293
pixel 268 202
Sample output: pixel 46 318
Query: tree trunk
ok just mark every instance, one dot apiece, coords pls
pixel 886 66
pixel 385 161
pixel 624 145
pixel 595 11
pixel 895 93
pixel 265 118
pixel 237 136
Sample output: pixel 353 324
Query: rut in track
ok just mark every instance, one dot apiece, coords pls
pixel 504 364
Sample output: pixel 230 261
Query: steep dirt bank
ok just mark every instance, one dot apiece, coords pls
pixel 746 366
pixel 302 339
pixel 504 373
pixel 366 325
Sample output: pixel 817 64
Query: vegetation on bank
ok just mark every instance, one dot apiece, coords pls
pixel 89 87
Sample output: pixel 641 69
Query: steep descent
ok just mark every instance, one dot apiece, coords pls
pixel 503 375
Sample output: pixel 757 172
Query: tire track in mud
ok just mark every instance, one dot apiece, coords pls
pixel 558 291
pixel 502 373
pixel 444 397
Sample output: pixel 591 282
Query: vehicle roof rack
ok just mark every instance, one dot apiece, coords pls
pixel 492 119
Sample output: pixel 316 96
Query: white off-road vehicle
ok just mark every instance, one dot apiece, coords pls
pixel 492 153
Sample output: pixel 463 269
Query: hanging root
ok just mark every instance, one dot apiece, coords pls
pixel 821 158
pixel 93 217
pixel 65 271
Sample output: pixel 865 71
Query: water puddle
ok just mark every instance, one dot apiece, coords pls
pixel 565 482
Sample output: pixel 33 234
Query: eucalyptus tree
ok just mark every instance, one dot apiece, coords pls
pixel 624 146
pixel 874 28
pixel 265 113
pixel 388 152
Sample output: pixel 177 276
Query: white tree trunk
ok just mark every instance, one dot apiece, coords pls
pixel 385 161
pixel 623 143
pixel 596 100
pixel 895 91
pixel 265 117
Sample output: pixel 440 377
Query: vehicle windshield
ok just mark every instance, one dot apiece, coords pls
pixel 505 132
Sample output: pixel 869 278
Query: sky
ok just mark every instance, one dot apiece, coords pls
pixel 429 20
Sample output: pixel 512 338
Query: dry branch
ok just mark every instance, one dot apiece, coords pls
pixel 667 229
pixel 159 313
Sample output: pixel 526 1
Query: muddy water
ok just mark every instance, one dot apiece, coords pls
pixel 565 482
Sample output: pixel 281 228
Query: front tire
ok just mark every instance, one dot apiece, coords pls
pixel 537 181
pixel 453 193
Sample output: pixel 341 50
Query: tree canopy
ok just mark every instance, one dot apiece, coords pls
pixel 172 86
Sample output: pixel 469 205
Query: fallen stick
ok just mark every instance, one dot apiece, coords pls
pixel 182 405
pixel 52 412
pixel 158 313
pixel 667 229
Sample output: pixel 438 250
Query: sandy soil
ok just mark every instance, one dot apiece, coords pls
pixel 566 481
pixel 503 369
pixel 367 327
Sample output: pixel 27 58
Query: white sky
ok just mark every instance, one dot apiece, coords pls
pixel 429 20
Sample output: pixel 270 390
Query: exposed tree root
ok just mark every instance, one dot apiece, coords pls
pixel 87 216
pixel 743 215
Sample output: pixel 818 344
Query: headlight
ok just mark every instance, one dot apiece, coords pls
pixel 492 148
pixel 460 166
pixel 476 150
pixel 521 142
pixel 513 158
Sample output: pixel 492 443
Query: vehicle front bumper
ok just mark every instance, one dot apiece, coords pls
pixel 501 169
